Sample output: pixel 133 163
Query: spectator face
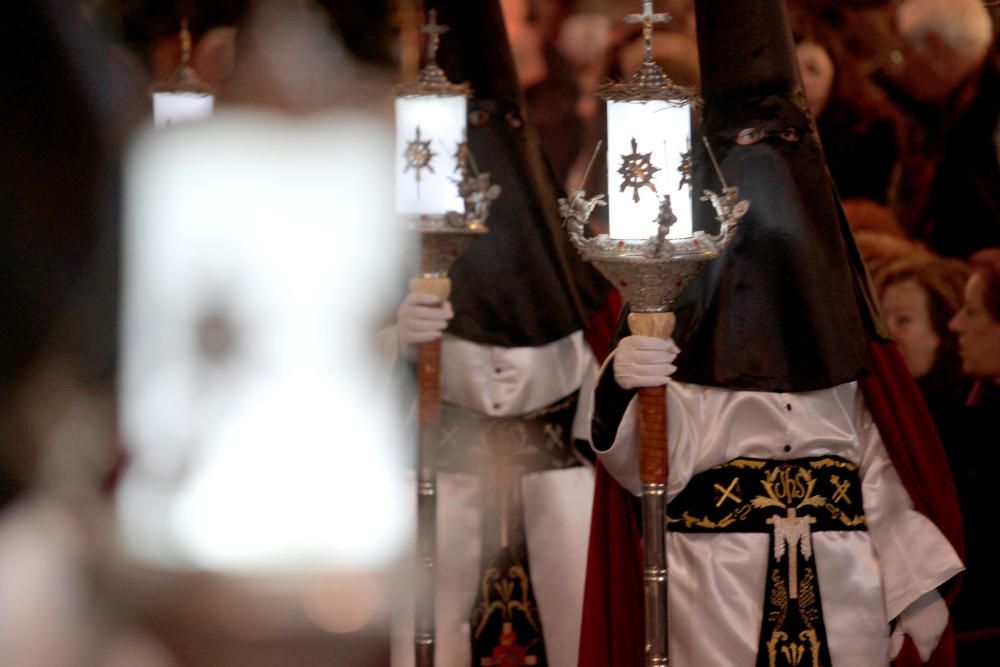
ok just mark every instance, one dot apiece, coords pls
pixel 817 71
pixel 978 333
pixel 907 312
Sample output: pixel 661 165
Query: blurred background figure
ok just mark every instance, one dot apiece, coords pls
pixel 857 123
pixel 918 299
pixel 149 29
pixel 70 103
pixel 947 83
pixel 881 241
pixel 548 81
pixel 977 325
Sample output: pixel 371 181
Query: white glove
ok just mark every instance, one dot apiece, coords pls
pixel 642 361
pixel 924 621
pixel 421 318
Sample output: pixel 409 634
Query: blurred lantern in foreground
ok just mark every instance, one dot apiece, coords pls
pixel 186 97
pixel 651 256
pixel 261 435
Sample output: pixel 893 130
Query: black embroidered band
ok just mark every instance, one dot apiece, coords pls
pixel 789 500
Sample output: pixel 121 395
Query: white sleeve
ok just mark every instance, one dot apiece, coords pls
pixel 914 557
pixel 585 403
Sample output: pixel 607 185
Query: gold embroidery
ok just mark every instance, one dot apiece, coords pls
pixel 728 493
pixel 793 653
pixel 779 600
pixel 505 586
pixel 760 502
pixel 744 463
pixel 703 522
pixel 858 520
pixel 842 487
pixel 778 645
pixel 833 463
pixel 808 597
pixel 840 515
pixel 788 484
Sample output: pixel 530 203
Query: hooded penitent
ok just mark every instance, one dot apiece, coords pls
pixel 787 307
pixel 522 283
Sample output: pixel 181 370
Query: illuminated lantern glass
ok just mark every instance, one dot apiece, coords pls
pixel 429 131
pixel 171 108
pixel 647 141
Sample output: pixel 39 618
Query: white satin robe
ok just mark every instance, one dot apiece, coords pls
pixel 716 581
pixel 504 382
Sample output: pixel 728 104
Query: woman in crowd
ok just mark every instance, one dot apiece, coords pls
pixel 976 614
pixel 856 122
pixel 918 298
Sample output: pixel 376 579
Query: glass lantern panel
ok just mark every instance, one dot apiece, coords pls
pixel 172 108
pixel 429 130
pixel 646 146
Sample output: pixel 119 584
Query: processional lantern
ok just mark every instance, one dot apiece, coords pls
pixel 443 197
pixel 185 97
pixel 651 255
pixel 430 129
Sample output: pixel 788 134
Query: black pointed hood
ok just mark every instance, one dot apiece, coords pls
pixel 522 284
pixel 788 306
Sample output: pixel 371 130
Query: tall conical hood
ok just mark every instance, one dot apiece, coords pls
pixel 522 283
pixel 788 306
pixel 746 49
pixel 476 50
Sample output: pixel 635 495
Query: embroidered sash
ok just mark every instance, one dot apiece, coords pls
pixel 789 500
pixel 506 629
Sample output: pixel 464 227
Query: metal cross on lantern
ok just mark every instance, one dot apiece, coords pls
pixel 433 30
pixel 647 19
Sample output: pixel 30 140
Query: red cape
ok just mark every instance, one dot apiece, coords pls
pixel 612 632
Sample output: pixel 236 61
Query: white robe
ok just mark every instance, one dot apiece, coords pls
pixel 716 580
pixel 506 382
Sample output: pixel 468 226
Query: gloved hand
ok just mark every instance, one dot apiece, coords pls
pixel 642 361
pixel 924 621
pixel 422 318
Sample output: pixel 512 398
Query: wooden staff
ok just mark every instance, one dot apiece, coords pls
pixel 429 417
pixel 654 469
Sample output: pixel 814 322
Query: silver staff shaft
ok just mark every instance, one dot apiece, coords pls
pixel 655 571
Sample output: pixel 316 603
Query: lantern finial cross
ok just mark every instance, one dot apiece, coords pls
pixel 433 30
pixel 647 19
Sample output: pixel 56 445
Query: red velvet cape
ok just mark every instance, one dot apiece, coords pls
pixel 612 632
